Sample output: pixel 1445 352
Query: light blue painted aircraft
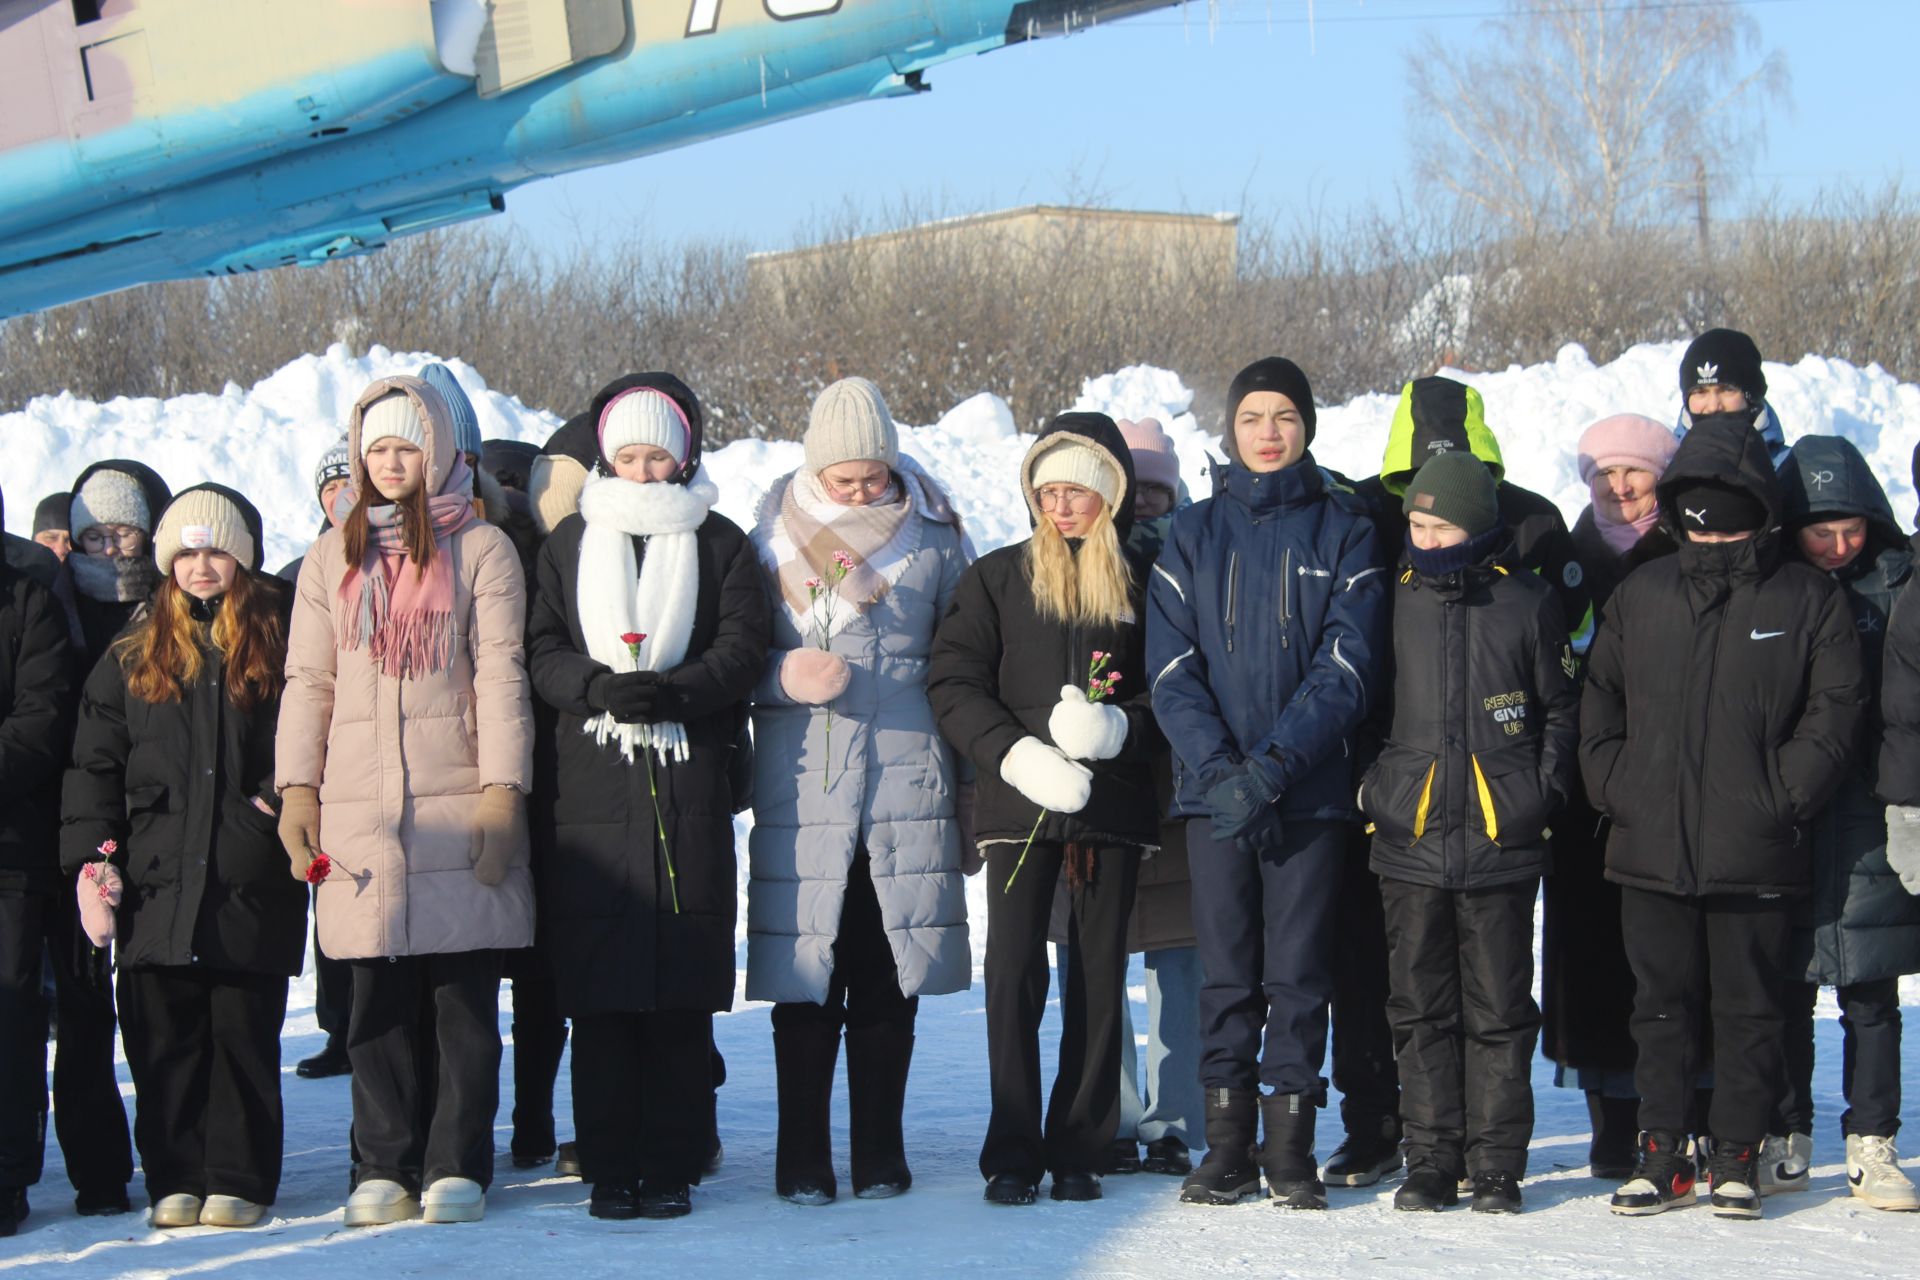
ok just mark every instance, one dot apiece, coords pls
pixel 146 140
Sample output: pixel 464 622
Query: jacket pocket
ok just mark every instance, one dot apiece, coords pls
pixel 1782 798
pixel 1510 805
pixel 1397 794
pixel 151 799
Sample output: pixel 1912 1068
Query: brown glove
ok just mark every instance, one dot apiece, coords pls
pixel 499 833
pixel 300 827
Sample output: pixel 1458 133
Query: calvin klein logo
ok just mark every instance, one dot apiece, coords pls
pixel 1820 479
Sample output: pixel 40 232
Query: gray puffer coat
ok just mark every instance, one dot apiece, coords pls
pixel 887 785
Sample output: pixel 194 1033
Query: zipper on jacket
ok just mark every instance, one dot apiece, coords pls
pixel 1487 813
pixel 1233 583
pixel 1286 596
pixel 1706 745
pixel 1426 802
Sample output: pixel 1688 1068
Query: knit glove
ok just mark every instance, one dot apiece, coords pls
pixel 1045 776
pixel 300 827
pixel 630 697
pixel 499 833
pixel 1086 730
pixel 1903 844
pixel 98 891
pixel 814 677
pixel 1241 805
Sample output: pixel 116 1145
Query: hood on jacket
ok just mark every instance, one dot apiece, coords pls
pixel 435 417
pixel 665 383
pixel 152 488
pixel 1097 432
pixel 1728 453
pixel 249 516
pixel 1435 415
pixel 509 461
pixel 1829 475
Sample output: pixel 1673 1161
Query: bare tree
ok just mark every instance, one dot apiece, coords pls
pixel 1591 113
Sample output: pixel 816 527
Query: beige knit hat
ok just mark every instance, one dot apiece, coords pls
pixel 202 519
pixel 392 415
pixel 1072 461
pixel 554 482
pixel 850 423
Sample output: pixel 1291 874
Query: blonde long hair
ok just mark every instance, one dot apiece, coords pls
pixel 1094 587
pixel 162 656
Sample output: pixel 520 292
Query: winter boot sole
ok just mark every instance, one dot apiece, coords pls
pixel 1364 1175
pixel 1902 1204
pixel 1306 1194
pixel 1241 1193
pixel 883 1190
pixel 1641 1209
pixel 379 1215
pixel 807 1195
pixel 1740 1208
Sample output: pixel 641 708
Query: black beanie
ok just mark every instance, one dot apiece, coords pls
pixel 1456 487
pixel 1275 373
pixel 1725 358
pixel 1713 507
pixel 53 512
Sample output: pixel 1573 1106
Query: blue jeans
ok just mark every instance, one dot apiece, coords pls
pixel 1167 1100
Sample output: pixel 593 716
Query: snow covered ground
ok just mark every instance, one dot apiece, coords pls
pixel 264 441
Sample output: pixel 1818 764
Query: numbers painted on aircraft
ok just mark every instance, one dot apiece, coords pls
pixel 705 16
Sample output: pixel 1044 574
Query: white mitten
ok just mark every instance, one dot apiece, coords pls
pixel 1046 777
pixel 1086 730
pixel 1903 845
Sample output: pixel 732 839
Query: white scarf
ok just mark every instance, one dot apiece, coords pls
pixel 661 605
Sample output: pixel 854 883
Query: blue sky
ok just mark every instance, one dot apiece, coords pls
pixel 1154 113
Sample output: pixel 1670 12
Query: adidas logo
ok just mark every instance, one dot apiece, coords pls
pixel 1707 373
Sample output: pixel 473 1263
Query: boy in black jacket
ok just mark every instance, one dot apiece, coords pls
pixel 1723 702
pixel 1480 756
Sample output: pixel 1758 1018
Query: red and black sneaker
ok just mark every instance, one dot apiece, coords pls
pixel 1662 1180
pixel 1736 1180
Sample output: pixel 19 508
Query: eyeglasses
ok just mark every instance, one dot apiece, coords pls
pixel 100 537
pixel 871 484
pixel 1066 497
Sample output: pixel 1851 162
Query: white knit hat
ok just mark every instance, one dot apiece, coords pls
pixel 202 519
pixel 850 423
pixel 1070 461
pixel 392 415
pixel 109 497
pixel 643 416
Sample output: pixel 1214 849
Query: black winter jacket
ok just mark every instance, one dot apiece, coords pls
pixel 1483 746
pixel 36 722
pixel 1724 695
pixel 997 668
pixel 606 907
pixel 1860 924
pixel 173 783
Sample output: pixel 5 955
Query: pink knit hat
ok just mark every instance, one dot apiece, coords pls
pixel 1152 448
pixel 1626 440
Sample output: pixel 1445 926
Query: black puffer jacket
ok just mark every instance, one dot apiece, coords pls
pixel 1484 736
pixel 36 721
pixel 606 905
pixel 173 784
pixel 1724 698
pixel 998 666
pixel 1860 924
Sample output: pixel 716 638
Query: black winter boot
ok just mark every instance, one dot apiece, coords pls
pixel 1370 1153
pixel 1663 1179
pixel 803 1059
pixel 1428 1189
pixel 1286 1157
pixel 1229 1174
pixel 1616 1132
pixel 877 1063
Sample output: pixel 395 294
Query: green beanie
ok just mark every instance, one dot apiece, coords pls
pixel 1456 487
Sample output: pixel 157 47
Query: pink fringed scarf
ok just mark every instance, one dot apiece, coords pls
pixel 403 615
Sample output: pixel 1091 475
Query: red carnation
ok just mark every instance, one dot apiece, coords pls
pixel 319 869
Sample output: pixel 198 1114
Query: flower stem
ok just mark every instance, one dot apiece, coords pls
pixel 1023 850
pixel 660 825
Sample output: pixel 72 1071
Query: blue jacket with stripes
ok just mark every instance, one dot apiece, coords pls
pixel 1267 626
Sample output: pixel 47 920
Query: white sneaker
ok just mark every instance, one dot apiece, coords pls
pixel 454 1200
pixel 179 1210
pixel 378 1201
pixel 230 1211
pixel 1873 1174
pixel 1786 1164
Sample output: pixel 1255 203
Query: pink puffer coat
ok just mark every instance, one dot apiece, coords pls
pixel 400 763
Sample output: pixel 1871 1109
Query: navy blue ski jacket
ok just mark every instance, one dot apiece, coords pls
pixel 1267 618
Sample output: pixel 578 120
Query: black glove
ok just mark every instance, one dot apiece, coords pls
pixel 630 697
pixel 1241 805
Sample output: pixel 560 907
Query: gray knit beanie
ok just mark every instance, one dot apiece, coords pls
pixel 850 423
pixel 109 497
pixel 1456 487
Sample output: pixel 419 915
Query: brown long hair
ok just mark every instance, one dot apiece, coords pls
pixel 164 654
pixel 1094 587
pixel 416 524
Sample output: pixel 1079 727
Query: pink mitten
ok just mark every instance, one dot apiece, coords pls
pixel 814 676
pixel 98 891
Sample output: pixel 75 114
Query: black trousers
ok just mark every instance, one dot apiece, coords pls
pixel 1083 1110
pixel 1264 927
pixel 539 1040
pixel 1363 1049
pixel 203 1046
pixel 425 1047
pixel 1869 1058
pixel 88 1115
pixel 643 1095
pixel 1724 957
pixel 1464 1023
pixel 332 989
pixel 865 988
